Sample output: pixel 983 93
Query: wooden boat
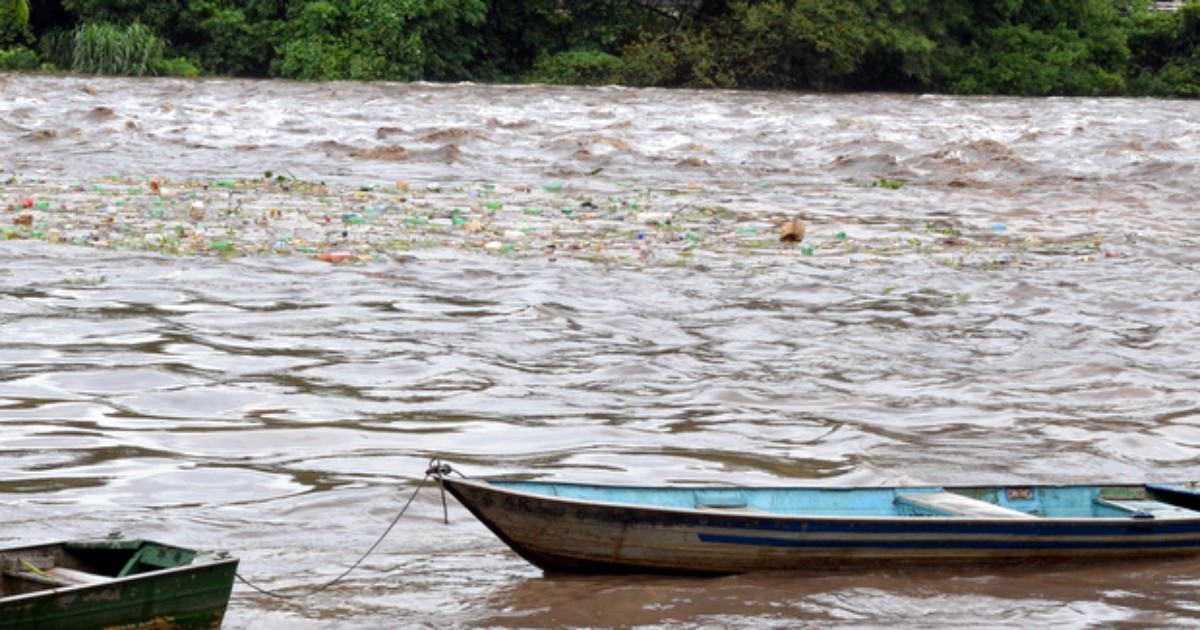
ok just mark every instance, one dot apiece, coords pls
pixel 593 528
pixel 113 582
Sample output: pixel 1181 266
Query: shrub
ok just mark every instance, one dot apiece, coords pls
pixel 649 63
pixel 18 58
pixel 579 68
pixel 177 67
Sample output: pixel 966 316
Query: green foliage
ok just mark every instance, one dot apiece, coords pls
pixel 785 44
pixel 579 68
pixel 516 35
pixel 110 49
pixel 330 40
pixel 1181 77
pixel 915 44
pixel 1085 47
pixel 803 43
pixel 1165 50
pixel 706 58
pixel 177 67
pixel 1155 39
pixel 56 47
pixel 449 38
pixel 398 40
pixel 1087 55
pixel 599 24
pixel 224 38
pixel 19 58
pixel 1178 77
pixel 158 15
pixel 649 62
pixel 14 21
pixel 897 59
pixel 890 184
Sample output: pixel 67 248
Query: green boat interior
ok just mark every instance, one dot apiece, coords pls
pixel 57 566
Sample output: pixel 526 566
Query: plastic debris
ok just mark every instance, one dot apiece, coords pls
pixel 335 257
pixel 611 222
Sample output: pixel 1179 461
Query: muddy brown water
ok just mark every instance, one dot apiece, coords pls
pixel 285 409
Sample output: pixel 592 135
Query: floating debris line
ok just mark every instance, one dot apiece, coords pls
pixel 614 223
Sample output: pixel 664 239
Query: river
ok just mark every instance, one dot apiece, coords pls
pixel 286 409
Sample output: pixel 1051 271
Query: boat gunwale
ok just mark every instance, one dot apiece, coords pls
pixel 203 560
pixel 497 486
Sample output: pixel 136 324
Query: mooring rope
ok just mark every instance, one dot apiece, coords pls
pixel 436 469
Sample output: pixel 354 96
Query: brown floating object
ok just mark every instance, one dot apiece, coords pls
pixel 23 219
pixel 792 231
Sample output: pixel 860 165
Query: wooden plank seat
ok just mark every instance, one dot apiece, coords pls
pixel 42 570
pixel 73 576
pixel 42 580
pixel 1146 508
pixel 951 504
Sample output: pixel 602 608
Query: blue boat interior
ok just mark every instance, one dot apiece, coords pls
pixel 998 502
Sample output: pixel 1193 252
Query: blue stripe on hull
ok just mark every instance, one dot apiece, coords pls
pixel 975 543
pixel 943 526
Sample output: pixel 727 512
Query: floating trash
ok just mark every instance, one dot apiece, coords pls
pixel 792 231
pixel 335 257
pixel 607 221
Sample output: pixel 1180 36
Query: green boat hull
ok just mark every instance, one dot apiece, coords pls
pixel 113 584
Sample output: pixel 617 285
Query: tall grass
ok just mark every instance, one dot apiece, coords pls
pixel 55 47
pixel 110 49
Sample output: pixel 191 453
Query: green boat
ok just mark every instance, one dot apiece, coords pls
pixel 113 582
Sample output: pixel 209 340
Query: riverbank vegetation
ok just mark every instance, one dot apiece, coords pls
pixel 1016 47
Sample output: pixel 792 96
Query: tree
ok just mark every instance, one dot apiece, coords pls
pixel 1166 53
pixel 398 40
pixel 802 43
pixel 159 15
pixel 1072 47
pixel 914 42
pixel 228 37
pixel 518 36
pixel 14 21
